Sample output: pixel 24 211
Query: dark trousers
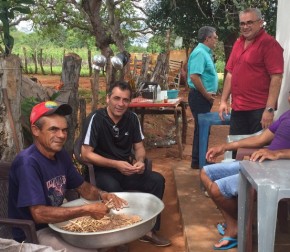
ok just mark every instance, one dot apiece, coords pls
pixel 152 182
pixel 246 122
pixel 198 105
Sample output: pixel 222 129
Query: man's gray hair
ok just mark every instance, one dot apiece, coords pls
pixel 204 32
pixel 252 10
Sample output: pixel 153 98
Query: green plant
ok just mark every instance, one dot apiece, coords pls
pixel 26 107
pixel 7 9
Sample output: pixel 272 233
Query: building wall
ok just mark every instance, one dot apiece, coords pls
pixel 283 36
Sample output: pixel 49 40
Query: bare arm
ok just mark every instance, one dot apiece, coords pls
pixel 195 78
pixel 139 156
pixel 89 156
pixel 225 96
pixel 274 90
pixel 251 142
pixel 139 151
pixel 50 214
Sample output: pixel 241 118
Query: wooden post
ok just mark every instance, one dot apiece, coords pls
pixel 82 116
pixel 71 68
pixel 11 138
pixel 95 89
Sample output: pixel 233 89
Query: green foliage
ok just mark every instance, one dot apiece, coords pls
pixel 186 17
pixel 7 9
pixel 26 107
pixel 228 21
pixel 51 53
pixel 220 83
pixel 182 16
pixel 220 66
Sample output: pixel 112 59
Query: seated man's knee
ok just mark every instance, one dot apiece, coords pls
pixel 202 174
pixel 204 178
pixel 214 190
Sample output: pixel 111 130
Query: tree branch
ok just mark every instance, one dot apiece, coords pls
pixel 197 2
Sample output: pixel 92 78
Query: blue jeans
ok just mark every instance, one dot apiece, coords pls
pixel 198 105
pixel 226 176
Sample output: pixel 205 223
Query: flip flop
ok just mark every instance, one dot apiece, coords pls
pixel 233 242
pixel 221 228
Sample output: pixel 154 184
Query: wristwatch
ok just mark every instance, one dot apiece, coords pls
pixel 270 109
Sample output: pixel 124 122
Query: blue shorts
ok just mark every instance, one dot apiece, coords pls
pixel 226 176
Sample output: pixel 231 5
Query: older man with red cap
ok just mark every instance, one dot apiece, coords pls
pixel 41 174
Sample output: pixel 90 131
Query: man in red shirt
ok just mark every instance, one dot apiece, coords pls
pixel 255 69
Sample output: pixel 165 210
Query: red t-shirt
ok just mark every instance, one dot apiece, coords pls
pixel 251 69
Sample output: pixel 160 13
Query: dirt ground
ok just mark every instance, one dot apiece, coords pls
pixel 160 128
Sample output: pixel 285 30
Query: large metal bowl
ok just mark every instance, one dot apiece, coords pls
pixel 146 205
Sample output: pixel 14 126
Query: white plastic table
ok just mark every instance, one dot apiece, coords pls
pixel 271 179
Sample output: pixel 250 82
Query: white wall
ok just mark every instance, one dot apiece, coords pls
pixel 283 36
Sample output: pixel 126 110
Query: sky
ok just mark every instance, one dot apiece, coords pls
pixel 25 26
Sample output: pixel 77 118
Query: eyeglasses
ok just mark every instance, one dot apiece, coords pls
pixel 248 23
pixel 116 131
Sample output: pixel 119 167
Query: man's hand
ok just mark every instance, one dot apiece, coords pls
pixel 267 119
pixel 111 198
pixel 97 210
pixel 214 152
pixel 140 166
pixel 263 154
pixel 223 109
pixel 127 169
pixel 210 97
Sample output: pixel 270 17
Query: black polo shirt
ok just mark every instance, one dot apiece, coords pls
pixel 110 140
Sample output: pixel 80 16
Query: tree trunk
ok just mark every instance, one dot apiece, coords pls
pixel 144 69
pixel 35 62
pixel 71 68
pixel 25 60
pixel 10 108
pixel 40 62
pixel 159 73
pixel 90 61
pixel 51 61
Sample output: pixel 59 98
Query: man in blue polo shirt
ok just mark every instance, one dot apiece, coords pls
pixel 203 81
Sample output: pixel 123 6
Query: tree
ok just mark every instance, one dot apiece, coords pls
pixel 109 22
pixel 7 15
pixel 186 17
pixel 182 17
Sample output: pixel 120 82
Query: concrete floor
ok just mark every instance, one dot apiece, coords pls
pixel 199 214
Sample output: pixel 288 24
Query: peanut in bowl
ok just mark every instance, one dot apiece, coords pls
pixel 144 205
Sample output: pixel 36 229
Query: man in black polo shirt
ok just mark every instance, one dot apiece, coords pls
pixel 111 134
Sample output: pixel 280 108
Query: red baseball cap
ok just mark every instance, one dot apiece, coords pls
pixel 49 108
